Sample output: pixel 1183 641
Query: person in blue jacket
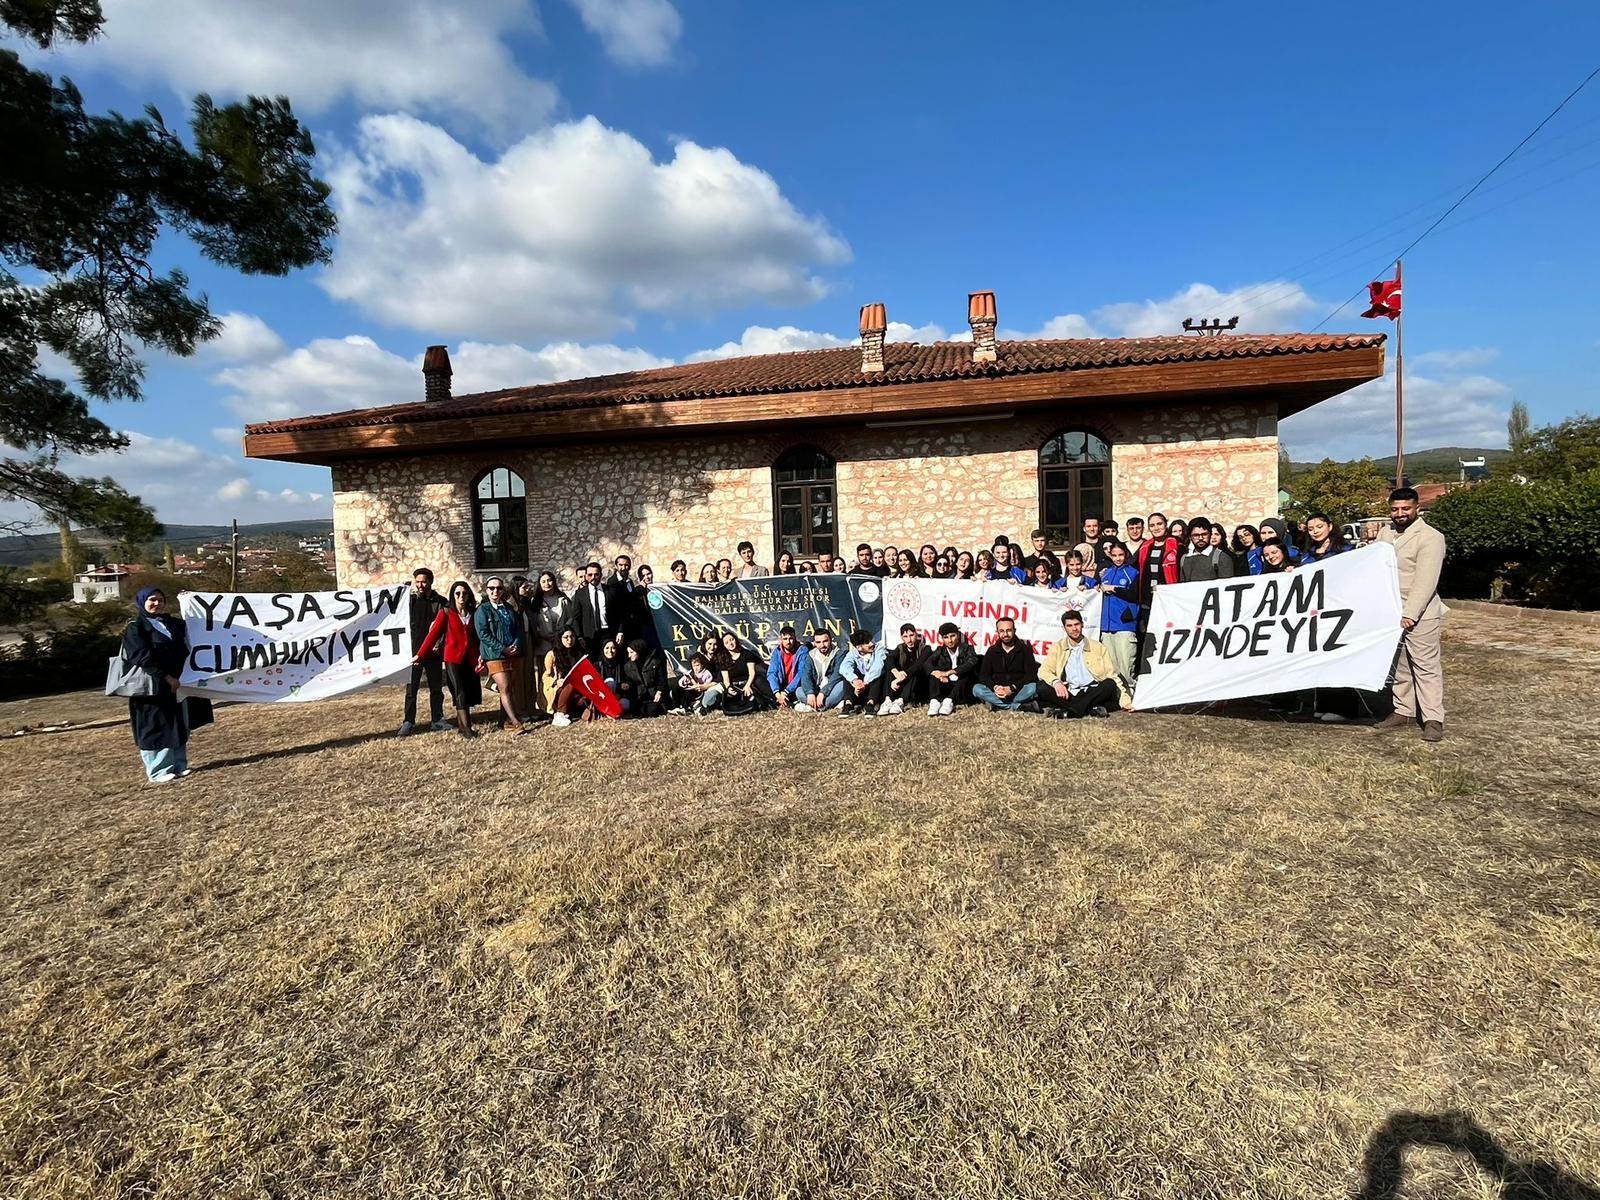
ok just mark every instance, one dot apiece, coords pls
pixel 786 672
pixel 500 629
pixel 862 675
pixel 1119 610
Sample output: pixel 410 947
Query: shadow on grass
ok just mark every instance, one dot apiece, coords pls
pixel 343 743
pixel 1519 1179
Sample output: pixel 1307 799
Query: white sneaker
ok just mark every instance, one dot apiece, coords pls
pixel 163 779
pixel 886 708
pixel 802 708
pixel 933 708
pixel 947 706
pixel 560 719
pixel 899 707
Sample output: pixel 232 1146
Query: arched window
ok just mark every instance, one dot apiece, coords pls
pixel 499 519
pixel 1074 483
pixel 803 499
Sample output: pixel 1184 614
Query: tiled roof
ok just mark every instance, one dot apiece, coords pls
pixel 840 367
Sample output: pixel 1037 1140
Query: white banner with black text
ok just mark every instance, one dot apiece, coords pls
pixel 1333 624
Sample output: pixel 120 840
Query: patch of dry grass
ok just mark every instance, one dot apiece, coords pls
pixel 984 957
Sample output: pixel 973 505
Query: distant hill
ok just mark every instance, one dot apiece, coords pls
pixel 27 548
pixel 1440 465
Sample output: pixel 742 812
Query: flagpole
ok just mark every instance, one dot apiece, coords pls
pixel 1399 386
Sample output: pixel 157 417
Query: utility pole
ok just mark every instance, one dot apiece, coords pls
pixel 1399 387
pixel 233 572
pixel 1212 328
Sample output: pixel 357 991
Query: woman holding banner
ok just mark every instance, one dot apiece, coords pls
pixel 499 630
pixel 161 723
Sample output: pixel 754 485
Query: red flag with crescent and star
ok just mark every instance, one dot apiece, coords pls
pixel 586 679
pixel 1385 297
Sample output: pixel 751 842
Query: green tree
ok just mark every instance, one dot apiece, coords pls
pixel 1344 491
pixel 1559 453
pixel 83 200
pixel 169 560
pixel 1518 426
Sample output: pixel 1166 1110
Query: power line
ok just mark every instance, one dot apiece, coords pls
pixel 1532 133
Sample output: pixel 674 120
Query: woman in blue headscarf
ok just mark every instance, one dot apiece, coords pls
pixel 161 723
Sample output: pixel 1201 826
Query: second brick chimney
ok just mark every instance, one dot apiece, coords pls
pixel 981 316
pixel 436 374
pixel 874 324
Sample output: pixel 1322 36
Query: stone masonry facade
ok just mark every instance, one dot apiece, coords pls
pixel 696 497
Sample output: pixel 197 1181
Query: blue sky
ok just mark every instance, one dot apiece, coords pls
pixel 579 186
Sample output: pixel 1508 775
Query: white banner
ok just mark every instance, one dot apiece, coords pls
pixel 1335 624
pixel 291 646
pixel 976 605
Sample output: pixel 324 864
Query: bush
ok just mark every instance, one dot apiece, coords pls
pixel 1536 541
pixel 72 658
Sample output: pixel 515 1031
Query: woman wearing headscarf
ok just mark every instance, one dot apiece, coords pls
pixel 156 641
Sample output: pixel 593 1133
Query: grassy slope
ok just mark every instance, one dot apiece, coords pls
pixel 1160 955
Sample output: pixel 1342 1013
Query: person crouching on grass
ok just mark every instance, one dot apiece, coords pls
pixel 457 642
pixel 161 723
pixel 1078 677
pixel 499 630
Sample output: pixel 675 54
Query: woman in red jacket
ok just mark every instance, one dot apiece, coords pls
pixel 452 631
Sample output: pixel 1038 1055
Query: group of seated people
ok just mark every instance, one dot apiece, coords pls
pixel 528 635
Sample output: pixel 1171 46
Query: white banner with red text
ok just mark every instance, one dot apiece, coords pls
pixel 268 647
pixel 975 605
pixel 1334 624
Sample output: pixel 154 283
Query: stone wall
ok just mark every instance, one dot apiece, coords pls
pixel 695 498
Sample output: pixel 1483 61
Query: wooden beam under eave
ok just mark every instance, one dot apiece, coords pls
pixel 1302 379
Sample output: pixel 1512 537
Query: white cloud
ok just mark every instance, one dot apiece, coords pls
pixel 1068 325
pixel 567 234
pixel 1274 306
pixel 1468 410
pixel 634 32
pixel 228 435
pixel 244 338
pixel 1457 360
pixel 480 367
pixel 420 55
pixel 763 339
pixel 325 375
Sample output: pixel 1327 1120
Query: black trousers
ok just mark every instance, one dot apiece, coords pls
pixel 912 688
pixel 955 689
pixel 1101 694
pixel 435 673
pixel 871 696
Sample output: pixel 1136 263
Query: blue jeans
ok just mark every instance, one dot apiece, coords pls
pixel 172 761
pixel 1017 699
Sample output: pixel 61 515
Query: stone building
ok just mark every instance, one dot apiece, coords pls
pixel 819 449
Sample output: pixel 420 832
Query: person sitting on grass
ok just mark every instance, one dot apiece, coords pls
pixel 457 644
pixel 1077 677
pixel 822 688
pixel 861 672
pixel 1008 676
pixel 949 670
pixel 743 681
pixel 697 690
pixel 786 673
pixel 642 685
pixel 903 672
pixel 569 701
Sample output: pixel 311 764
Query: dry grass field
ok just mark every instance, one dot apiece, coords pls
pixel 1196 956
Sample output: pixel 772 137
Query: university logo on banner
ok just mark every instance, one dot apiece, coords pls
pixel 974 605
pixel 293 646
pixel 1331 624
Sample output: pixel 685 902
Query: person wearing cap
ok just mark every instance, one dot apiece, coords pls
pixel 157 642
pixel 1419 665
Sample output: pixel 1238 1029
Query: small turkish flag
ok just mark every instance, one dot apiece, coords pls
pixel 1385 297
pixel 586 679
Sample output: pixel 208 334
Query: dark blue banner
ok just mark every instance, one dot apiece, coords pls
pixel 755 609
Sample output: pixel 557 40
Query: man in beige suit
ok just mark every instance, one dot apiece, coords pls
pixel 1418 668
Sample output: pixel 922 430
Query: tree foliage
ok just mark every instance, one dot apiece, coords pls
pixel 1518 425
pixel 83 200
pixel 1344 491
pixel 1558 453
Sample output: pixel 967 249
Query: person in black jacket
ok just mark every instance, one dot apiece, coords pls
pixel 161 723
pixel 643 686
pixel 1008 676
pixel 903 670
pixel 592 617
pixel 425 604
pixel 949 670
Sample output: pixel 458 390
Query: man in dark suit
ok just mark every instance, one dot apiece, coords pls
pixel 592 612
pixel 624 601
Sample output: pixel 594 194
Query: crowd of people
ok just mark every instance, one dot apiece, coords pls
pixel 526 636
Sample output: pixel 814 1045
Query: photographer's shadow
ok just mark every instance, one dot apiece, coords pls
pixel 1384 1169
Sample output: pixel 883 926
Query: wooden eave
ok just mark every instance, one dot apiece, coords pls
pixel 1294 381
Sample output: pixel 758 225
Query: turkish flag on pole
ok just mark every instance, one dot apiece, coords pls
pixel 586 679
pixel 1385 297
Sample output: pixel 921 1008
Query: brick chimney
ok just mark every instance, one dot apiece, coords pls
pixel 980 315
pixel 436 374
pixel 874 324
